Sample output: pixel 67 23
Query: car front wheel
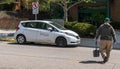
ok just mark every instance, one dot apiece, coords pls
pixel 21 39
pixel 60 41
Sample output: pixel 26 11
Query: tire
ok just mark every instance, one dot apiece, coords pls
pixel 21 39
pixel 61 41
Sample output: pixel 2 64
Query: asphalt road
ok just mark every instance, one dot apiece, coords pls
pixel 36 56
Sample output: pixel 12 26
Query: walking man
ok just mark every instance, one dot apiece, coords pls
pixel 107 35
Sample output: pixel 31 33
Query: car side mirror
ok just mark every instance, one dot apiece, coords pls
pixel 50 29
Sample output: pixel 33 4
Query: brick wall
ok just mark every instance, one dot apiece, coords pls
pixel 115 10
pixel 73 12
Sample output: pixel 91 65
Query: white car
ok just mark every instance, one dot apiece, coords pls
pixel 45 31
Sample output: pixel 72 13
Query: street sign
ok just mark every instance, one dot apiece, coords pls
pixel 35 7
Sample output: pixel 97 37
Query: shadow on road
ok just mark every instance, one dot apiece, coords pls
pixel 41 45
pixel 49 45
pixel 91 62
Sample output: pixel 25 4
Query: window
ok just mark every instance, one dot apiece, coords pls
pixel 45 26
pixel 42 25
pixel 31 24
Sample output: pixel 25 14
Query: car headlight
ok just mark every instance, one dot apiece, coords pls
pixel 70 34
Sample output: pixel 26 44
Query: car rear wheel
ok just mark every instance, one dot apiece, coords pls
pixel 21 39
pixel 60 41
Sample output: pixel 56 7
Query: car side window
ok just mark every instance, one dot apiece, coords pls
pixel 31 24
pixel 53 29
pixel 42 25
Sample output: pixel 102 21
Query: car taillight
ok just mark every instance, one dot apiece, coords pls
pixel 17 28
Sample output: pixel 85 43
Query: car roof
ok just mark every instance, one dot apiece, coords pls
pixel 46 21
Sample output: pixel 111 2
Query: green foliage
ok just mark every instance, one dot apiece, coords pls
pixel 6 2
pixel 97 19
pixel 85 30
pixel 6 6
pixel 56 11
pixel 92 14
pixel 69 25
pixel 44 5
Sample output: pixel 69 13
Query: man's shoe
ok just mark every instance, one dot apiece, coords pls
pixel 105 60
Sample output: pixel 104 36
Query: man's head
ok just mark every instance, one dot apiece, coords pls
pixel 107 19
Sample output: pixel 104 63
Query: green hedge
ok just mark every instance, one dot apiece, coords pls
pixel 85 30
pixel 69 25
pixel 6 6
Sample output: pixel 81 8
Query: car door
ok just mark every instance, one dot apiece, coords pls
pixel 45 35
pixel 30 31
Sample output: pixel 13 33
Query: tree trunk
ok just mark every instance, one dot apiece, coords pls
pixel 65 15
pixel 65 12
pixel 18 5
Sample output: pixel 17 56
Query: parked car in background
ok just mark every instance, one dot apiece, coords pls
pixel 45 31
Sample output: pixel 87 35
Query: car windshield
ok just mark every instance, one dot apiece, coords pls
pixel 58 26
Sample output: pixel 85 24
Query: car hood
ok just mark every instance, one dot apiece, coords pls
pixel 70 32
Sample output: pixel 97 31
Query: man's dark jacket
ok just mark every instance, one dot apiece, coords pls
pixel 106 32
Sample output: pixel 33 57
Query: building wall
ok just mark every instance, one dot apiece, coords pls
pixel 115 10
pixel 73 13
pixel 74 10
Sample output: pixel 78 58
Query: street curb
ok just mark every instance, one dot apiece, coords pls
pixel 6 36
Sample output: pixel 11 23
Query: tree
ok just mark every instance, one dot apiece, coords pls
pixel 67 4
pixel 6 1
pixel 6 4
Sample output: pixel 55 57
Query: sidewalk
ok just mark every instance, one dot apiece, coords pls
pixel 91 41
pixel 7 34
